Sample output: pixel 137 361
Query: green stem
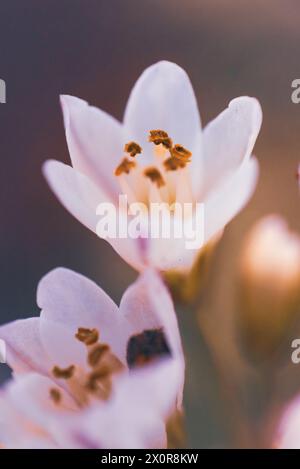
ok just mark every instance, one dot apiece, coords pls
pixel 203 414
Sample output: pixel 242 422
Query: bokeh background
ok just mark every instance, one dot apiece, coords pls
pixel 96 49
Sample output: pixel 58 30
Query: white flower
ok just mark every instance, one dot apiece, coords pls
pixel 87 369
pixel 288 431
pixel 134 416
pixel 213 166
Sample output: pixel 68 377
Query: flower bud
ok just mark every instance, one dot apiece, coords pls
pixel 269 294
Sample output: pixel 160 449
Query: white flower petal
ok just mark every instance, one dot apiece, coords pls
pixel 228 140
pixel 167 254
pixel 81 198
pixel 30 395
pixel 15 427
pixel 147 305
pixel 135 415
pixel 68 301
pixel 42 420
pixel 227 201
pixel 75 191
pixel 95 140
pixel 25 351
pixel 157 383
pixel 172 252
pixel 163 98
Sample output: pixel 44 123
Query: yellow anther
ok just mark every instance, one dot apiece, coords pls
pixel 133 148
pixel 178 151
pixel 63 373
pixel 124 167
pixel 55 395
pixel 87 336
pixel 160 137
pixel 172 164
pixel 96 376
pixel 155 176
pixel 96 354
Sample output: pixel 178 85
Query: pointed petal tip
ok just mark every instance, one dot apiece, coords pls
pixel 46 169
pixel 167 64
pixel 44 281
pixel 68 100
pixel 249 105
pixel 70 104
pixel 54 272
pixel 49 167
pixel 48 163
pixel 165 68
pixel 163 89
pixel 54 276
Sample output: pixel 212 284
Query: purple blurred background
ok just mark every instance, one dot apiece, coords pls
pixel 96 49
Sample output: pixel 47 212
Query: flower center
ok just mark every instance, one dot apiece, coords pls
pixel 178 157
pixel 95 383
pixel 162 181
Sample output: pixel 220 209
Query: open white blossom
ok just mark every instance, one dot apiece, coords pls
pixel 158 154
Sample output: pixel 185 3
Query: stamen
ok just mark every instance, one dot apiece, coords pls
pixel 96 376
pixel 172 164
pixel 178 151
pixel 124 167
pixel 133 148
pixel 87 336
pixel 160 137
pixel 96 354
pixel 100 384
pixel 63 373
pixel 55 395
pixel 154 175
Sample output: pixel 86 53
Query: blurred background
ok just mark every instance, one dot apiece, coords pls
pixel 96 49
